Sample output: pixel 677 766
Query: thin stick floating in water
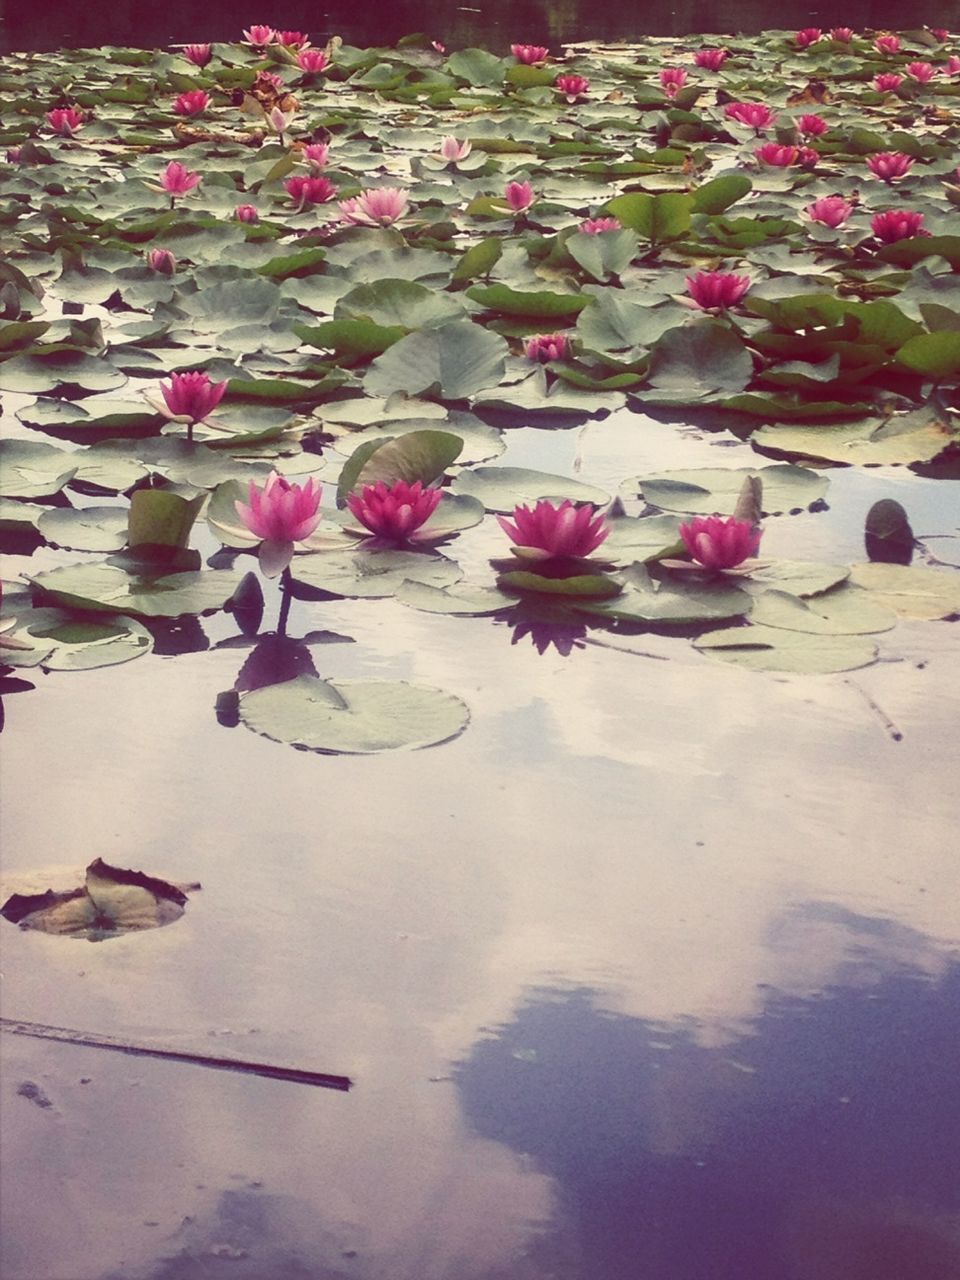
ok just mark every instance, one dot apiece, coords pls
pixel 92 1040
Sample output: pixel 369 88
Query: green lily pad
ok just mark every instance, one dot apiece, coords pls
pixel 106 588
pixel 844 611
pixel 672 603
pixel 67 644
pixel 911 591
pixel 86 529
pixel 30 469
pixel 504 488
pixel 370 574
pixel 453 361
pixel 41 374
pixel 461 599
pixel 776 649
pixel 417 455
pixel 919 436
pixel 715 490
pixel 798 577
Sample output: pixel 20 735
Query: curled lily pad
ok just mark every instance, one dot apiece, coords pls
pixel 353 717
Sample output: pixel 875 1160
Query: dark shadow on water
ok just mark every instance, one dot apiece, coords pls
pixel 823 1145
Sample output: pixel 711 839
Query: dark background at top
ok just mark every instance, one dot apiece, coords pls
pixel 53 24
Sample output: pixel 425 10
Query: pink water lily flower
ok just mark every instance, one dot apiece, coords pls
pixel 597 226
pixel 198 54
pixel 887 43
pixel 812 126
pixel 519 196
pixel 260 36
pixel 177 180
pixel 572 87
pixel 720 544
pixel 756 115
pixel 550 531
pixel 377 207
pixel 530 54
pixel 452 149
pixel 710 289
pixel 807 37
pixel 293 39
pixel 920 72
pixel 315 154
pixel 777 156
pixel 897 224
pixel 843 35
pixel 246 213
pixel 831 211
pixel 314 190
pixel 546 347
pixel 808 157
pixel 192 103
pixel 887 82
pixel 161 260
pixel 672 79
pixel 65 121
pixel 889 165
pixel 939 33
pixel 312 61
pixel 191 397
pixel 711 59
pixel 281 511
pixel 953 65
pixel 393 513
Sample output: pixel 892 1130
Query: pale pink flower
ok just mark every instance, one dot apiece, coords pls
pixel 65 121
pixel 260 36
pixel 897 224
pixel 452 149
pixel 198 54
pixel 710 289
pixel 393 513
pixel 843 35
pixel 530 54
pixel 550 531
pixel 280 120
pixel 161 260
pixel 720 544
pixel 831 211
pixel 192 103
pixel 315 154
pixel 312 61
pixel 439 46
pixel 314 190
pixel 953 65
pixel 889 165
pixel 812 126
pixel 887 82
pixel 887 44
pixel 597 226
pixel 177 180
pixel 777 156
pixel 377 207
pixel 756 115
pixel 268 82
pixel 711 59
pixel 519 196
pixel 572 87
pixel 191 397
pixel 546 347
pixel 940 33
pixel 921 72
pixel 807 37
pixel 281 511
pixel 672 79
pixel 246 213
pixel 293 39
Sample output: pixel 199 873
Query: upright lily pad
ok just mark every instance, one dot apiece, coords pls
pixel 453 361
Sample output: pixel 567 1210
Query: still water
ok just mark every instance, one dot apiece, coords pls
pixel 493 24
pixel 652 974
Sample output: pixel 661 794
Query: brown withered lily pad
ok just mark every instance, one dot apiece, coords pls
pixel 112 901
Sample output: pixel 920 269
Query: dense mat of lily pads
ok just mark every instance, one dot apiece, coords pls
pixel 276 265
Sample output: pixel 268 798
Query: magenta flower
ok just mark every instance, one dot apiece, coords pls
pixel 198 54
pixel 530 54
pixel 246 213
pixel 832 211
pixel 711 59
pixel 268 82
pixel 807 157
pixel 161 260
pixel 312 61
pixel 192 103
pixel 597 226
pixel 191 397
pixel 549 531
pixel 178 181
pixel 807 37
pixel 812 126
pixel 843 35
pixel 315 154
pixel 439 46
pixel 303 190
pixel 378 207
pixel 572 87
pixel 720 544
pixel 889 165
pixel 756 115
pixel 897 224
pixel 887 44
pixel 940 33
pixel 546 347
pixel 887 82
pixel 394 513
pixel 292 39
pixel 260 36
pixel 710 289
pixel 921 72
pixel 777 156
pixel 65 121
pixel 519 196
pixel 14 155
pixel 672 79
pixel 953 65
pixel 281 511
pixel 452 149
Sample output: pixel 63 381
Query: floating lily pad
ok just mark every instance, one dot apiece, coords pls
pixel 70 644
pixel 86 529
pixel 776 649
pixel 106 588
pixel 670 603
pixel 353 717
pixel 844 611
pixel 30 469
pixel 714 490
pixel 369 574
pixel 461 599
pixel 453 361
pixel 798 577
pixel 919 436
pixel 911 591
pixel 504 488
